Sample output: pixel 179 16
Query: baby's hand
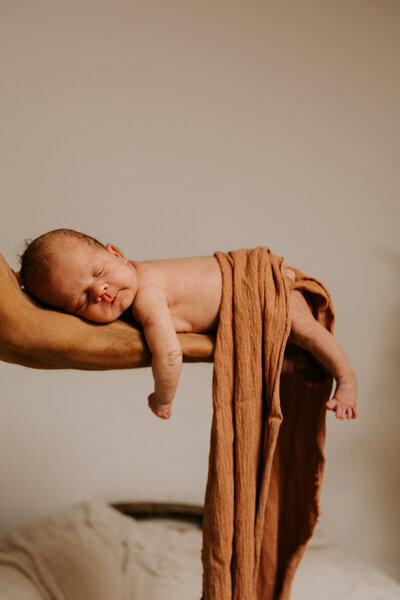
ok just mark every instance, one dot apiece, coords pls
pixel 162 410
pixel 344 401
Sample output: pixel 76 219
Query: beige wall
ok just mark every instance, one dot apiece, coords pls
pixel 180 128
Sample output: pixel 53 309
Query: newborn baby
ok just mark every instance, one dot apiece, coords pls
pixel 74 272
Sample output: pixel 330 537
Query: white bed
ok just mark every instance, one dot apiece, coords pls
pixel 122 558
pixel 171 567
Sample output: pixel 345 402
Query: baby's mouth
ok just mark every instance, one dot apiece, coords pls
pixel 114 299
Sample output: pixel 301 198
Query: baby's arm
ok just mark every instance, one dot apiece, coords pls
pixel 159 331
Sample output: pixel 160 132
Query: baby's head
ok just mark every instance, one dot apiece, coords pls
pixel 74 272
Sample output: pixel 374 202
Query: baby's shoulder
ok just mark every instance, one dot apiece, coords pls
pixel 150 299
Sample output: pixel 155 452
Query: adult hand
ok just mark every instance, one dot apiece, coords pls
pixel 34 336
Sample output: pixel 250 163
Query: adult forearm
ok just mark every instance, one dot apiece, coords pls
pixel 50 340
pixel 44 339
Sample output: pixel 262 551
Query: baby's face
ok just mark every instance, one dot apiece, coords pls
pixel 93 283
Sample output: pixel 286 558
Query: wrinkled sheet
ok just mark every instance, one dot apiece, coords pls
pixel 92 552
pixel 152 560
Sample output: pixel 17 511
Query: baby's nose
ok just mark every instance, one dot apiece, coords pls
pixel 100 291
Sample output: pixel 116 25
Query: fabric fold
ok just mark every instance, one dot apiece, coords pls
pixel 266 449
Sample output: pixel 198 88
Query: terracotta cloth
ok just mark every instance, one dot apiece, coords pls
pixel 266 453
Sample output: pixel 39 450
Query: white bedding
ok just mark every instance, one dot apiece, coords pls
pixel 171 566
pixel 328 573
pixel 119 558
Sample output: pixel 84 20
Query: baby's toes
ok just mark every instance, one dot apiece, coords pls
pixel 353 413
pixel 340 413
pixel 331 404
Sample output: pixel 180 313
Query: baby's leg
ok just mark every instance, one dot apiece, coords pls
pixel 307 333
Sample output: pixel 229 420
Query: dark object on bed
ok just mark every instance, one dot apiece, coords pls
pixel 162 510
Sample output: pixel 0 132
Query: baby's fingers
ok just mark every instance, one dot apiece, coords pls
pixel 162 410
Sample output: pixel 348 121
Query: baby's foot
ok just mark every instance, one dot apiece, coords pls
pixel 344 401
pixel 162 410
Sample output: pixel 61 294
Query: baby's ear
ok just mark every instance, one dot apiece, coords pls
pixel 116 251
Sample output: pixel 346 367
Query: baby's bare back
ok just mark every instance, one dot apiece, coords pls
pixel 192 288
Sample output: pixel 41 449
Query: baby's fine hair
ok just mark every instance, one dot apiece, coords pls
pixel 36 258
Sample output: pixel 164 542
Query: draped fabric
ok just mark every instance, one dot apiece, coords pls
pixel 266 449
